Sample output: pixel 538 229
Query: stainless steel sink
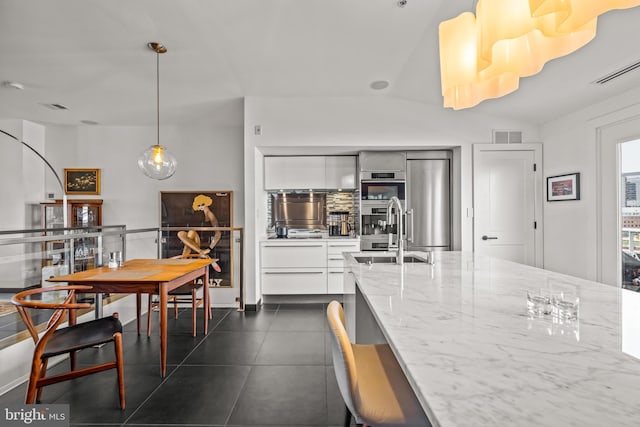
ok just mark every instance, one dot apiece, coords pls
pixel 386 259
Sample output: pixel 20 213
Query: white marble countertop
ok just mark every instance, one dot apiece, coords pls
pixel 461 331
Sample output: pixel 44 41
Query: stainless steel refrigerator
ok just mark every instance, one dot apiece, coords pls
pixel 428 201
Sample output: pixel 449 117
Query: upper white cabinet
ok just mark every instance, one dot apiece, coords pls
pixel 309 172
pixel 340 172
pixel 294 172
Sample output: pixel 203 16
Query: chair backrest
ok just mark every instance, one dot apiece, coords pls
pixel 343 358
pixel 23 305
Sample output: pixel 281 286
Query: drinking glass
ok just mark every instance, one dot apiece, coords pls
pixel 538 302
pixel 565 306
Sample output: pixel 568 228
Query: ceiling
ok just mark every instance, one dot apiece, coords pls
pixel 91 56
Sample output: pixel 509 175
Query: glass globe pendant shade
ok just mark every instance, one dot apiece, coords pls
pixel 157 163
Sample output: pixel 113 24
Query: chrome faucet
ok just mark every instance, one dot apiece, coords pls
pixel 394 202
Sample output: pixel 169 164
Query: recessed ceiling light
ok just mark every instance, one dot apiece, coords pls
pixel 379 84
pixel 13 85
pixel 88 122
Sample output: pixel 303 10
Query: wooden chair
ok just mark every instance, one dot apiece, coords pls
pixel 184 294
pixel 373 386
pixel 67 340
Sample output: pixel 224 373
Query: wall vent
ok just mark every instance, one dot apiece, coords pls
pixel 606 79
pixel 507 137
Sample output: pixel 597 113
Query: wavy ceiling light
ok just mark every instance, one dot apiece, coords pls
pixel 510 39
pixel 577 13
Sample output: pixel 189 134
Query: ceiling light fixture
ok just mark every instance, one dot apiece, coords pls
pixel 483 56
pixel 156 162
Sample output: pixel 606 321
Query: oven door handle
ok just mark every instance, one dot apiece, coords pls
pixel 410 226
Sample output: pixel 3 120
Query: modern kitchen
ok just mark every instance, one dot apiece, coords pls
pixel 475 253
pixel 348 207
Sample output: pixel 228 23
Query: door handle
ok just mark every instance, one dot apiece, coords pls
pixel 489 238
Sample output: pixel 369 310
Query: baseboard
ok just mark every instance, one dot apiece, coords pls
pixel 301 299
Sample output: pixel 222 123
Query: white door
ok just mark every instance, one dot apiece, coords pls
pixel 507 208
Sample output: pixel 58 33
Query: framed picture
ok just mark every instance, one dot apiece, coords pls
pixel 563 187
pixel 82 181
pixel 193 209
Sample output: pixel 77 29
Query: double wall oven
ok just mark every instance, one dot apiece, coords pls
pixel 382 176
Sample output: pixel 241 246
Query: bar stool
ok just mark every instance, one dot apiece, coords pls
pixel 372 384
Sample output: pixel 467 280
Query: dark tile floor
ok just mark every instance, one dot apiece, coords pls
pixel 266 368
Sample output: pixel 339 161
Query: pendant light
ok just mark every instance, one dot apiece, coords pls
pixel 156 162
pixel 511 39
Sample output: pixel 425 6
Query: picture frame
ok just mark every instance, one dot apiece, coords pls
pixel 177 209
pixel 82 181
pixel 563 187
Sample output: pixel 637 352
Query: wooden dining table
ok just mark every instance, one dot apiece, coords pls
pixel 146 276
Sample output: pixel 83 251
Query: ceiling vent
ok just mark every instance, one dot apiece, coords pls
pixel 507 137
pixel 56 107
pixel 616 74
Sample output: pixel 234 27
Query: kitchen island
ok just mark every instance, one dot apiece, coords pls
pixel 461 331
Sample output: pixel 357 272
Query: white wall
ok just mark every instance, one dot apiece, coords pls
pixel 575 231
pixel 20 194
pixel 209 150
pixel 348 125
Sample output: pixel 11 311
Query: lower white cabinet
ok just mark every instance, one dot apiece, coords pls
pixel 335 263
pixel 295 281
pixel 289 267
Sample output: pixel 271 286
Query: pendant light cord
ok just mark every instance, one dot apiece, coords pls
pixel 158 95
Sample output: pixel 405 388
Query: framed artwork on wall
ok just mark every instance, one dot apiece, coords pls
pixel 190 211
pixel 563 187
pixel 82 181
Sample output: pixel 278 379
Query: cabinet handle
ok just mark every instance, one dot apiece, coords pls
pixel 336 259
pixel 293 272
pixel 333 245
pixel 336 272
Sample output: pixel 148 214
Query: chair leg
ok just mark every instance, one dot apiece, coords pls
pixel 43 372
pixel 72 360
pixel 36 366
pixel 347 417
pixel 138 309
pixel 120 368
pixel 194 307
pixel 175 307
pixel 150 310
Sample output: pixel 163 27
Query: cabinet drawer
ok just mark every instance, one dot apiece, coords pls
pixel 335 261
pixel 304 254
pixel 295 281
pixel 336 248
pixel 335 281
pixel 335 257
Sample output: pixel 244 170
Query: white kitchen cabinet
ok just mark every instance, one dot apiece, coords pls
pixel 340 172
pixel 293 267
pixel 335 263
pixel 303 267
pixel 309 172
pixel 294 172
pixel 294 281
pixel 294 254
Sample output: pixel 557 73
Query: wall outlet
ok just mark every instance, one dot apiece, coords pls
pixel 257 130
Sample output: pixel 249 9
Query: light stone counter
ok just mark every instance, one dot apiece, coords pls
pixel 461 332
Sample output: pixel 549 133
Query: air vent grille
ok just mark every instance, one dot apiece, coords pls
pixel 616 74
pixel 507 137
pixel 56 106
